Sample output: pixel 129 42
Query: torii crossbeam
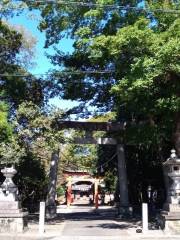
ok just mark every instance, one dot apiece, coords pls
pixel 90 126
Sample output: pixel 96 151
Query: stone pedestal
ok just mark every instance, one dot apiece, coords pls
pixel 13 220
pixel 12 217
pixel 169 218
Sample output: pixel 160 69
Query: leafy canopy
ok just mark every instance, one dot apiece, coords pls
pixel 141 50
pixel 17 47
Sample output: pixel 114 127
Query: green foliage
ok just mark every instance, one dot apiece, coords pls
pixel 18 146
pixel 83 24
pixel 144 168
pixel 110 180
pixel 10 43
pixel 15 50
pixel 142 50
pixel 60 191
pixel 30 148
pixel 11 152
pixel 163 19
pixel 5 128
pixel 35 127
pixel 32 143
pixel 32 181
pixel 110 116
pixel 149 90
pixel 79 157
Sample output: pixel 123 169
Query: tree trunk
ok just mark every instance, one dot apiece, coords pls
pixel 177 135
pixel 50 201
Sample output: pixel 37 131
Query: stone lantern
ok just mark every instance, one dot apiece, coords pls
pixel 12 217
pixel 8 190
pixel 170 216
pixel 172 166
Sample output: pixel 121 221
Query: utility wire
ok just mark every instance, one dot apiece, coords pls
pixel 56 74
pixel 109 6
pixel 102 165
pixel 107 160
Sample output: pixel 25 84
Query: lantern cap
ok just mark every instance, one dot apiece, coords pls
pixel 173 154
pixel 173 159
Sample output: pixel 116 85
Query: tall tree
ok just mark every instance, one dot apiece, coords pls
pixel 139 47
pixel 17 84
pixel 17 47
pixel 83 24
pixel 41 141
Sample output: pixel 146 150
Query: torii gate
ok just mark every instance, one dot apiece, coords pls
pixel 91 126
pixel 72 180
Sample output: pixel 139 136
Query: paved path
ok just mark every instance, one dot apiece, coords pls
pixel 84 223
pixel 88 222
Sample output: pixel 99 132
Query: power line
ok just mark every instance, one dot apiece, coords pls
pixel 102 165
pixel 109 6
pixel 56 74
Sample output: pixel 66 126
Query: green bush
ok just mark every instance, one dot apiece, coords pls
pixel 60 191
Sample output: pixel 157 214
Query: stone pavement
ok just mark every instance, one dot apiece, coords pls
pixel 84 223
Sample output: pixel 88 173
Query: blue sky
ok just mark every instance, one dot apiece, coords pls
pixel 42 62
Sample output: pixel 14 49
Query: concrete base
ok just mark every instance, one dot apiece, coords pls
pixel 16 223
pixel 169 224
pixel 169 219
pixel 12 218
pixel 124 211
pixel 51 211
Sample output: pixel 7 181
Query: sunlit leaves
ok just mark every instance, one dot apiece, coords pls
pixel 11 152
pixel 5 127
pixel 35 126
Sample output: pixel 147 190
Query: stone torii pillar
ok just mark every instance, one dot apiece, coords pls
pixel 122 178
pixel 50 201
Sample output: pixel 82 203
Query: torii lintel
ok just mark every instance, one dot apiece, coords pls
pixel 91 126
